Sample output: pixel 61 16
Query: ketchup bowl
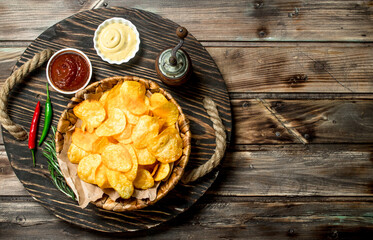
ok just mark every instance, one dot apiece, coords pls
pixel 69 70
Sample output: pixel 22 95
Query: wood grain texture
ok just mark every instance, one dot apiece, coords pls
pixel 266 20
pixel 8 58
pixel 10 184
pixel 297 170
pixel 20 20
pixel 296 68
pixel 275 170
pixel 293 121
pixel 286 68
pixel 243 20
pixel 156 33
pixel 242 218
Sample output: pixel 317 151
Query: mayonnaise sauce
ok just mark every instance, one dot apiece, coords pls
pixel 116 41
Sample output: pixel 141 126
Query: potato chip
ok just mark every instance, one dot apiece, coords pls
pixel 131 118
pixel 170 172
pixel 157 99
pixel 167 111
pixel 125 134
pixel 100 144
pixel 87 168
pixel 144 179
pixel 130 98
pixel 126 141
pixel 162 173
pixel 155 169
pixel 117 158
pixel 131 174
pixel 146 129
pixel 147 101
pixel 114 124
pixel 84 140
pixel 101 178
pixel 138 107
pixel 91 112
pixel 112 140
pixel 151 168
pixel 120 183
pixel 75 154
pixel 113 98
pixel 117 102
pixel 166 147
pixel 135 89
pixel 104 99
pixel 134 97
pixel 145 157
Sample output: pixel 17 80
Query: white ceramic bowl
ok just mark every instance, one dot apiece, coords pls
pixel 118 20
pixel 69 50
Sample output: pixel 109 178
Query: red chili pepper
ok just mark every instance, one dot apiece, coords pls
pixel 33 131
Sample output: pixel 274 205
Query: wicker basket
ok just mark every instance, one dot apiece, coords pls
pixel 68 120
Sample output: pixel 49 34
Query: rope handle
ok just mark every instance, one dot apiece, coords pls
pixel 17 77
pixel 221 144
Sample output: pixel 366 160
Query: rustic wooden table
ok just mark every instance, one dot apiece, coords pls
pixel 300 79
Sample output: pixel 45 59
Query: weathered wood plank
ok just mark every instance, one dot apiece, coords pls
pixel 243 20
pixel 294 68
pixel 274 170
pixel 25 20
pixel 297 121
pixel 297 68
pixel 10 185
pixel 8 58
pixel 213 218
pixel 297 170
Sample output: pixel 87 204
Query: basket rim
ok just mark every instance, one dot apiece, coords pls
pixel 66 123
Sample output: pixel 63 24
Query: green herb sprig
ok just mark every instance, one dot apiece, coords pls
pixel 49 152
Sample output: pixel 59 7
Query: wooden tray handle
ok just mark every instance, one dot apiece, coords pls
pixel 221 144
pixel 17 77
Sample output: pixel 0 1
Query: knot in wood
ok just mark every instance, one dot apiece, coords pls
pixel 291 232
pixel 262 32
pixel 334 234
pixel 320 66
pixel 294 14
pixel 21 219
pixel 258 4
pixel 299 78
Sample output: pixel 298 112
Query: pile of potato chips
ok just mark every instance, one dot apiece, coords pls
pixel 127 140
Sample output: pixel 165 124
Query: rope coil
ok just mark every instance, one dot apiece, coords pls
pixel 17 77
pixel 221 144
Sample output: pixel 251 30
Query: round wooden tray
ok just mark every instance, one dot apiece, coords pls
pixel 156 33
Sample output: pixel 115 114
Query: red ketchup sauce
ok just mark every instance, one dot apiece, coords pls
pixel 69 71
